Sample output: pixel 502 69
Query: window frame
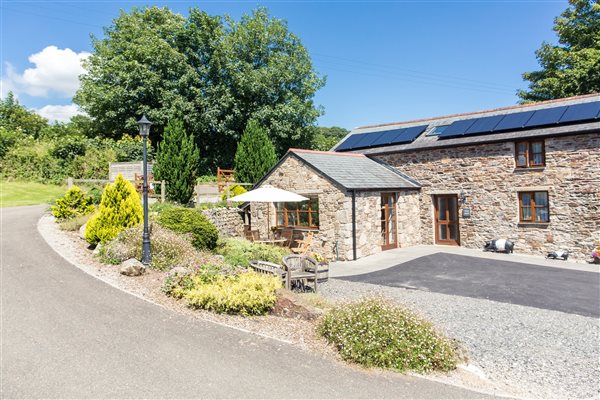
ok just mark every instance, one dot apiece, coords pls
pixel 529 155
pixel 310 212
pixel 533 207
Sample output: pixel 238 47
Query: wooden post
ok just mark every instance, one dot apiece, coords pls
pixel 163 188
pixel 69 182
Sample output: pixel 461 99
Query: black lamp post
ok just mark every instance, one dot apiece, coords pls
pixel 144 132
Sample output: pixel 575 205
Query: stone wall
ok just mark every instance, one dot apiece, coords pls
pixel 487 175
pixel 409 221
pixel 335 209
pixel 228 221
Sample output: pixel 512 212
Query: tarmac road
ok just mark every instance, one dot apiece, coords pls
pixel 66 334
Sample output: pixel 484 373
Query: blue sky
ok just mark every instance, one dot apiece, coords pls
pixel 385 61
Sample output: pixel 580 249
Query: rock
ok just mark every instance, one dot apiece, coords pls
pixel 219 257
pixel 132 267
pixel 291 305
pixel 179 271
pixel 82 231
pixel 97 249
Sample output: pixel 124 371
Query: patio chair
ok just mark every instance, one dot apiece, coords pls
pixel 302 269
pixel 288 235
pixel 252 235
pixel 269 268
pixel 303 244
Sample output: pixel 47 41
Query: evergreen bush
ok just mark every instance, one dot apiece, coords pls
pixel 120 208
pixel 176 162
pixel 187 220
pixel 234 190
pixel 255 154
pixel 73 204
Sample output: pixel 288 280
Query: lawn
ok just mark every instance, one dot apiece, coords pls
pixel 14 194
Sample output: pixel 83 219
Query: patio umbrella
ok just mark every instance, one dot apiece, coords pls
pixel 268 194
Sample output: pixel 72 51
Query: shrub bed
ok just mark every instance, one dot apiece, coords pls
pixel 187 220
pixel 169 249
pixel 377 333
pixel 246 293
pixel 241 251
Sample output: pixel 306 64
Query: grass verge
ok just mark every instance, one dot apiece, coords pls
pixel 13 194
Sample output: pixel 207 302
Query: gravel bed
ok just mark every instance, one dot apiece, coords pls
pixel 538 353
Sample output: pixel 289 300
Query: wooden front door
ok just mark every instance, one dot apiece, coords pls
pixel 446 220
pixel 389 234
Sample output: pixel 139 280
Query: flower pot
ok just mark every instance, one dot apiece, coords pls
pixel 323 272
pixel 596 260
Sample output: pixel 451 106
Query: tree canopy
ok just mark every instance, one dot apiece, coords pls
pixel 215 72
pixel 572 67
pixel 326 138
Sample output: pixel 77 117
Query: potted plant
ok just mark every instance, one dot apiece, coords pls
pixel 596 255
pixel 323 268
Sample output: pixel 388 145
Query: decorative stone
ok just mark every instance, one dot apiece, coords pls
pixel 97 249
pixel 291 305
pixel 132 267
pixel 219 257
pixel 82 231
pixel 179 271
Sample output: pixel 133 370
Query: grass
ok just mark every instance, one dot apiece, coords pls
pixel 13 194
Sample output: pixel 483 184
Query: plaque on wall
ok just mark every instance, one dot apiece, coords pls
pixel 466 212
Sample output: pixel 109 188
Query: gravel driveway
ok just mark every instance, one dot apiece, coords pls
pixel 541 353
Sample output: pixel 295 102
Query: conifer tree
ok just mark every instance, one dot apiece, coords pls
pixel 255 154
pixel 120 208
pixel 177 160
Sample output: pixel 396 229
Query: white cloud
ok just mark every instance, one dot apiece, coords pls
pixel 59 113
pixel 56 71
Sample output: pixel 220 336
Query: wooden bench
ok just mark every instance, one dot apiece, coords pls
pixel 269 268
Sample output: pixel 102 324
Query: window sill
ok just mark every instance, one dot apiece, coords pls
pixel 533 224
pixel 529 169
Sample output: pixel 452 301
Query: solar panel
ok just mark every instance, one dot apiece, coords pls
pixel 484 125
pixel 387 137
pixel 548 116
pixel 458 128
pixel 514 121
pixel 349 143
pixel 366 139
pixel 410 134
pixel 581 112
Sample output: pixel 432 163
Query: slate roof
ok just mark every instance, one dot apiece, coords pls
pixel 431 142
pixel 351 171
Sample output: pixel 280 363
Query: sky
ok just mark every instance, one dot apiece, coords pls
pixel 384 61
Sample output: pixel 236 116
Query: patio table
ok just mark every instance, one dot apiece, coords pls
pixel 277 242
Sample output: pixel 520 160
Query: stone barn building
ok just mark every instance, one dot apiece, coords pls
pixel 529 173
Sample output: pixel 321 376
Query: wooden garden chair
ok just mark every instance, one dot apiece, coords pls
pixel 300 269
pixel 303 244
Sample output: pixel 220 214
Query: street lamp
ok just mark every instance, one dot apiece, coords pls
pixel 144 132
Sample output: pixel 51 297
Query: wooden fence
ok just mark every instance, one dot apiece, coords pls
pixel 163 186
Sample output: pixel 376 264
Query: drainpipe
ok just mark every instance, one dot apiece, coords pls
pixel 354 225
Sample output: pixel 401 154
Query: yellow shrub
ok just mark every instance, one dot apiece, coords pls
pixel 247 294
pixel 119 209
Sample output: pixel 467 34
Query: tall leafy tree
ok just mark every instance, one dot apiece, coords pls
pixel 176 162
pixel 216 72
pixel 572 67
pixel 255 154
pixel 326 138
pixel 14 117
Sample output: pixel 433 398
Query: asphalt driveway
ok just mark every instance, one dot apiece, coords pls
pixel 66 334
pixel 575 292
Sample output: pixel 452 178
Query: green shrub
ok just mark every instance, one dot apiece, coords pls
pixel 241 251
pixel 119 209
pixel 206 179
pixel 233 191
pixel 73 204
pixel 247 293
pixel 377 333
pixel 75 223
pixel 169 249
pixel 187 220
pixel 31 160
pixel 255 154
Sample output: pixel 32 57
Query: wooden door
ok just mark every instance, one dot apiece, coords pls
pixel 389 234
pixel 446 220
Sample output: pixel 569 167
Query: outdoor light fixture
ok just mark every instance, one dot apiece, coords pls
pixel 144 132
pixel 462 197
